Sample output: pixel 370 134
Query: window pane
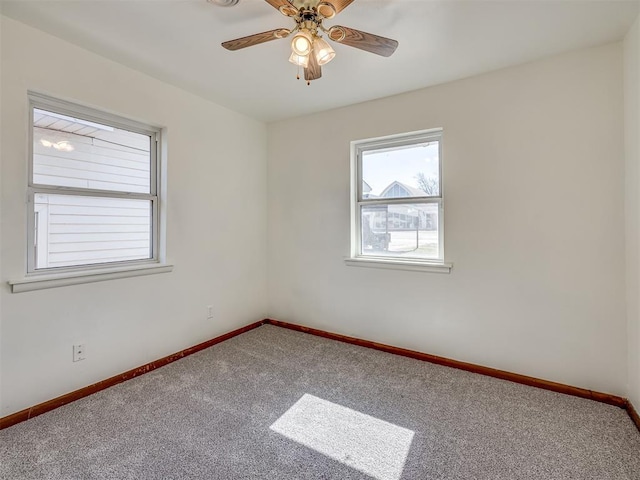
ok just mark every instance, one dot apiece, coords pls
pixel 405 230
pixel 71 152
pixel 77 230
pixel 405 172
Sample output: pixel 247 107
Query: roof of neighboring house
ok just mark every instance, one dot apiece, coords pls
pixel 413 191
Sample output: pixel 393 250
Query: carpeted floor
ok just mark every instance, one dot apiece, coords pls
pixel 277 404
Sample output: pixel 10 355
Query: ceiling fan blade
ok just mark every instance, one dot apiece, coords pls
pixel 339 5
pixel 256 39
pixel 363 40
pixel 313 71
pixel 285 7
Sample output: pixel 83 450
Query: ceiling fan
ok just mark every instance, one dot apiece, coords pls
pixel 308 49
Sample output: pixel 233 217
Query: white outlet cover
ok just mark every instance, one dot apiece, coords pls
pixel 79 352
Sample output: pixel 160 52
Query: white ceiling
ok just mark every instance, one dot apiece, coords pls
pixel 178 41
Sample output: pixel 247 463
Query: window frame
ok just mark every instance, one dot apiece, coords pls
pixel 63 107
pixel 358 148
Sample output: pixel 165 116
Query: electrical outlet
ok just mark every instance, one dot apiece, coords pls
pixel 79 353
pixel 209 311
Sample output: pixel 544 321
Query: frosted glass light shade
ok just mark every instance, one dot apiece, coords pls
pixel 302 60
pixel 301 43
pixel 323 51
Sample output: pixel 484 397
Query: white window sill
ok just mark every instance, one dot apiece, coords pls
pixel 396 264
pixel 42 281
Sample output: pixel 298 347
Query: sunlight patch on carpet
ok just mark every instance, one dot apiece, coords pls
pixel 370 445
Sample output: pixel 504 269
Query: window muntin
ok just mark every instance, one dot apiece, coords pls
pixel 398 198
pixel 92 189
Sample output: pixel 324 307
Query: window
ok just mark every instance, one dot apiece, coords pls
pixel 93 189
pixel 397 199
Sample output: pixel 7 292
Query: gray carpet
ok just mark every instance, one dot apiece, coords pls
pixel 278 404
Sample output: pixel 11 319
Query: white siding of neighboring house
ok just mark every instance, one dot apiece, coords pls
pixel 93 163
pixel 78 230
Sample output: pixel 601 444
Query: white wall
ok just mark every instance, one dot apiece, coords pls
pixel 632 204
pixel 1 227
pixel 534 223
pixel 216 228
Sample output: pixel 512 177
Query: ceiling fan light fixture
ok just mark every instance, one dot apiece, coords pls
pixel 301 60
pixel 301 43
pixel 309 49
pixel 323 51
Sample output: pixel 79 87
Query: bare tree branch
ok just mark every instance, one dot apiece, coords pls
pixel 428 185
